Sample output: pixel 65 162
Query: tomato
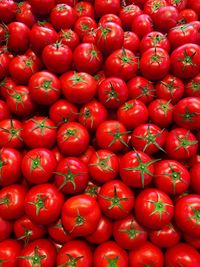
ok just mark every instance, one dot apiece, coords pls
pixel 168 236
pixel 40 252
pixel 116 199
pixel 136 169
pixel 142 25
pixel 92 190
pixel 146 255
pixel 42 9
pixel 4 111
pixel 182 255
pixel 63 16
pixel 63 111
pixel 39 131
pixel 155 63
pixel 127 15
pixel 27 231
pixel 87 58
pixel 12 201
pixel 42 34
pixel 18 37
pixel 195 177
pixel 187 113
pixel 112 135
pixel 75 252
pixel 84 9
pixel 9 253
pixel 131 41
pixel 4 67
pixel 69 37
pixel 6 85
pixel 25 14
pixel 151 7
pixel 141 89
pixel 92 114
pixel 109 37
pixel 191 240
pixel 103 231
pixel 72 138
pixel 161 112
pixel 103 166
pixel 6 228
pixel 110 254
pixel 80 215
pixel 44 88
pixel 112 92
pixel 78 87
pixel 106 7
pixel 154 39
pixel 43 203
pixel 38 165
pixel 10 166
pixel 171 177
pixel 85 157
pixel 121 63
pixel 110 18
pixel 84 25
pixel 180 4
pixel 19 101
pixel 170 88
pixel 187 15
pixel 153 208
pixel 57 232
pixel 71 176
pixel 185 61
pixel 192 87
pixel 128 233
pixel 148 138
pixel 11 133
pixel 165 18
pixel 186 214
pixel 181 144
pixel 7 11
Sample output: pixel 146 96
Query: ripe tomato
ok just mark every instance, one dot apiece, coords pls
pixel 75 252
pixel 4 110
pixel 192 87
pixel 110 254
pixel 25 14
pixel 84 25
pixel 40 252
pixel 72 138
pixel 131 41
pixel 69 37
pixel 153 208
pixel 12 201
pixel 9 253
pixel 116 199
pixel 84 9
pixel 195 177
pixel 6 228
pixel 43 203
pixel 7 10
pixel 112 135
pixel 4 67
pixel 127 15
pixel 81 215
pixel 78 87
pixel 106 7
pixel 142 25
pixel 128 233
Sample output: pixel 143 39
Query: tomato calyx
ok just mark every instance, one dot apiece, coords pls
pixel 26 236
pixel 13 132
pixel 125 58
pixel 93 54
pixel 155 6
pixel 112 262
pixel 188 116
pixel 156 58
pixel 5 200
pixel 164 106
pixel 66 34
pixel 102 163
pixel 195 86
pixel 60 226
pixel 39 204
pixel 2 261
pixel 60 7
pixel 142 167
pixel 115 200
pixel 170 86
pixel 185 142
pixel 127 106
pixel 87 115
pixel 35 164
pixel 146 91
pixel 18 97
pixel 112 93
pixel 156 39
pixel 104 32
pixel 132 232
pixel 41 125
pixel 47 86
pixel 160 206
pixel 77 79
pixel 92 191
pixel 150 139
pixel 187 60
pixel 72 261
pixel 36 258
pixel 79 221
pixel 118 136
pixel 80 9
pixel 196 215
pixel 70 132
pixel 28 63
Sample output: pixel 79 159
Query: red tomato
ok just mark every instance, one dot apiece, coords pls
pixel 142 25
pixel 57 232
pixel 81 215
pixel 131 41
pixel 127 15
pixel 4 111
pixel 106 7
pixel 195 178
pixel 42 8
pixel 6 228
pixel 9 253
pixel 69 37
pixel 25 14
pixel 192 87
pixel 8 11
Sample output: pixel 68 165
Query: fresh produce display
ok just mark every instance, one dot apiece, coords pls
pixel 100 133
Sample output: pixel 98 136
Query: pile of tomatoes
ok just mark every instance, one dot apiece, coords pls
pixel 100 133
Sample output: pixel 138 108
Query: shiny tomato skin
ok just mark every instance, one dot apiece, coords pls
pixel 6 228
pixel 8 11
pixel 195 178
pixel 110 18
pixel 147 254
pixel 131 41
pixel 9 253
pixel 127 15
pixel 42 249
pixel 192 87
pixel 80 215
pixel 43 203
pixel 12 201
pixel 110 253
pixel 4 111
pixel 142 25
pixel 75 251
pixel 4 67
pixel 25 14
pixel 69 37
pixel 84 26
pixel 105 7
pixel 153 208
pixel 182 254
pixel 57 232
